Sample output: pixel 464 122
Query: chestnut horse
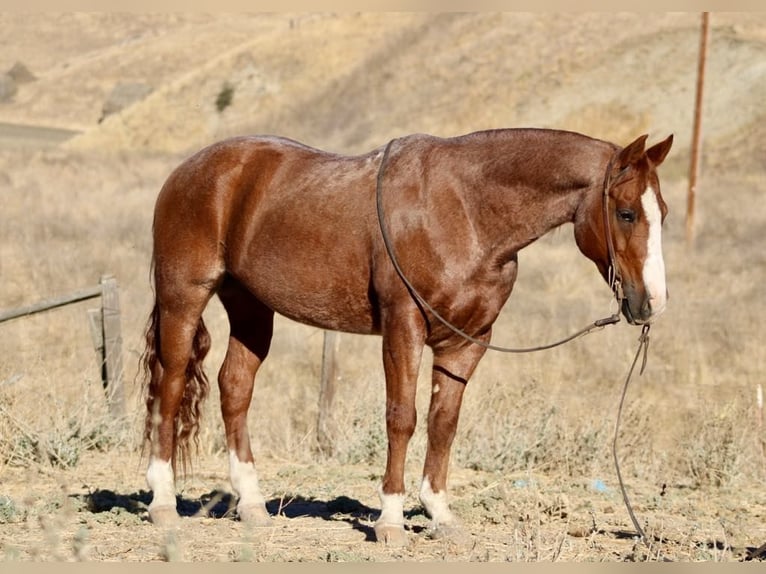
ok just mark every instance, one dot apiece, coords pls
pixel 271 225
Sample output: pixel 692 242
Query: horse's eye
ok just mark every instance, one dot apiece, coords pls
pixel 626 215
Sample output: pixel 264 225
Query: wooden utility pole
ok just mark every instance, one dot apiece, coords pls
pixel 697 134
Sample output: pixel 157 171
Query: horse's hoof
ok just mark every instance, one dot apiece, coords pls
pixel 391 535
pixel 255 515
pixel 452 533
pixel 164 516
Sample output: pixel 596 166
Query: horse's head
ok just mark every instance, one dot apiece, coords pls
pixel 623 227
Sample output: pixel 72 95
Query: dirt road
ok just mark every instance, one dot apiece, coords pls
pixel 14 135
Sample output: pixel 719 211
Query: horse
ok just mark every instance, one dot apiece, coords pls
pixel 270 225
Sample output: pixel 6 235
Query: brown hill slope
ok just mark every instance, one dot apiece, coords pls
pixel 350 81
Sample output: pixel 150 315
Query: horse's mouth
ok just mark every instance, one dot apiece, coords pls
pixel 631 318
pixel 645 316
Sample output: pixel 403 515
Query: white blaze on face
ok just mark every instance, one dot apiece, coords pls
pixel 654 265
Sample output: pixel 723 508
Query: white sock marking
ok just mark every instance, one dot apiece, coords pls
pixel 159 477
pixel 436 503
pixel 654 266
pixel 244 481
pixel 391 508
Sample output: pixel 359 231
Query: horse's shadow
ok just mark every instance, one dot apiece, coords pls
pixel 222 505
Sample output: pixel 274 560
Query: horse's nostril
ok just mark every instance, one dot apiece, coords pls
pixel 646 309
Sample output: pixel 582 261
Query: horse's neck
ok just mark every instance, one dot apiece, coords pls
pixel 536 189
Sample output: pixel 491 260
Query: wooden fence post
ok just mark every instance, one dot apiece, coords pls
pixel 325 432
pixel 112 341
pixel 96 323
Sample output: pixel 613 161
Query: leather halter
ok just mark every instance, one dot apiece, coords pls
pixel 614 276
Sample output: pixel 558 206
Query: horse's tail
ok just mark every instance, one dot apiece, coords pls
pixel 186 424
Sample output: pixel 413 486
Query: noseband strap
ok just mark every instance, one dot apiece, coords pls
pixel 596 325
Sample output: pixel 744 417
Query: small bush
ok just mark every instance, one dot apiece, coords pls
pixel 715 449
pixel 8 511
pixel 59 445
pixel 225 97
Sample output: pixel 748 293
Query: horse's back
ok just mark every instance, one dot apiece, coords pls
pixel 291 223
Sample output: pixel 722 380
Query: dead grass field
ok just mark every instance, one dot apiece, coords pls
pixel 532 473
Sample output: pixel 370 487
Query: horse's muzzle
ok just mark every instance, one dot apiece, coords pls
pixel 640 311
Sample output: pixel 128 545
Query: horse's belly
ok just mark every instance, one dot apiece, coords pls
pixel 325 312
pixel 315 290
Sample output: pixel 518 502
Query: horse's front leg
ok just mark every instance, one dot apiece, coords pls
pixel 451 370
pixel 402 351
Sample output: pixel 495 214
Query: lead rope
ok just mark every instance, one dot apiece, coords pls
pixel 643 345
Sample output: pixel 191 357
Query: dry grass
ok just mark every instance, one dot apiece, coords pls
pixel 73 214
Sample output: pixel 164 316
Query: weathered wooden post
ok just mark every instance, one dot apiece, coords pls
pixel 325 432
pixel 110 316
pixel 107 339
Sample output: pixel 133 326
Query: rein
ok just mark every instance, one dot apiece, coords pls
pixel 614 277
pixel 615 283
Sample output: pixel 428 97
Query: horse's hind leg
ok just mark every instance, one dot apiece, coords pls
pixel 174 406
pixel 250 337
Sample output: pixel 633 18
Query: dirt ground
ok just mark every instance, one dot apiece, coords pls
pixel 324 513
pixel 349 82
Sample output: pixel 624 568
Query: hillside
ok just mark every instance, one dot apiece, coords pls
pixel 350 81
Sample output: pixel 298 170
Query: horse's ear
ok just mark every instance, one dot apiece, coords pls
pixel 632 152
pixel 657 152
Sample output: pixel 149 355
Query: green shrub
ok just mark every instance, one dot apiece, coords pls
pixel 225 96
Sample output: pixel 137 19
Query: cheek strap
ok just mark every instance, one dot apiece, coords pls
pixel 614 276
